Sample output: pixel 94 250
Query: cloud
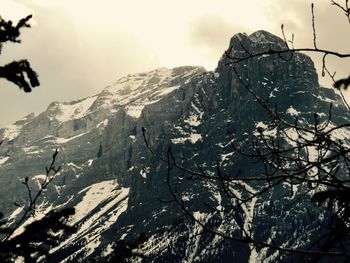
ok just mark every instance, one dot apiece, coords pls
pixel 211 32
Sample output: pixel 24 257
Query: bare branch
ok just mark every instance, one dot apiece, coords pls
pixel 30 208
pixel 313 25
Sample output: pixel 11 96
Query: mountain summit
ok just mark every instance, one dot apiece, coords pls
pixel 115 183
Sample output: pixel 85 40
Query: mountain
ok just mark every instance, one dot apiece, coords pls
pixel 116 184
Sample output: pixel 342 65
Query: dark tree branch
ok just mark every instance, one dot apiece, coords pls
pixel 313 25
pixel 18 72
pixel 30 208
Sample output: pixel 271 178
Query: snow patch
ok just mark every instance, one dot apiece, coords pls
pixel 102 124
pixel 166 91
pixel 11 132
pixel 340 134
pixel 266 131
pixel 195 116
pixel 3 159
pixel 39 177
pixel 144 172
pixel 14 214
pixel 328 100
pixel 95 224
pixel 41 211
pixel 32 150
pixel 134 110
pixel 193 138
pixel 200 216
pixel 226 156
pixel 108 250
pixel 262 125
pixel 89 162
pixel 69 111
pixel 65 140
pixel 94 195
pixel 293 112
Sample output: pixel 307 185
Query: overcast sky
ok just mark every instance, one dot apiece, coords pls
pixel 79 47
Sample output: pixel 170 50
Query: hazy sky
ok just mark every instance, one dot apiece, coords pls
pixel 79 47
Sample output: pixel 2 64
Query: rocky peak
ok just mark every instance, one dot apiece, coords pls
pixel 65 111
pixel 262 36
pixel 258 41
pixel 270 75
pixel 133 92
pixel 25 119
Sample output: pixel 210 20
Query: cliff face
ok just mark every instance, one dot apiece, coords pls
pixel 115 183
pixel 80 128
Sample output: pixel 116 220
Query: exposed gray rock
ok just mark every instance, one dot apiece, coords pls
pixel 108 173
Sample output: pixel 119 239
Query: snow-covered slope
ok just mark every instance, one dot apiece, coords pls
pixel 138 90
pixel 130 93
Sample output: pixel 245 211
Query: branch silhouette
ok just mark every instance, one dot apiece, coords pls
pixel 19 72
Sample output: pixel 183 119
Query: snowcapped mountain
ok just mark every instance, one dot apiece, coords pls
pixel 80 129
pixel 115 183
